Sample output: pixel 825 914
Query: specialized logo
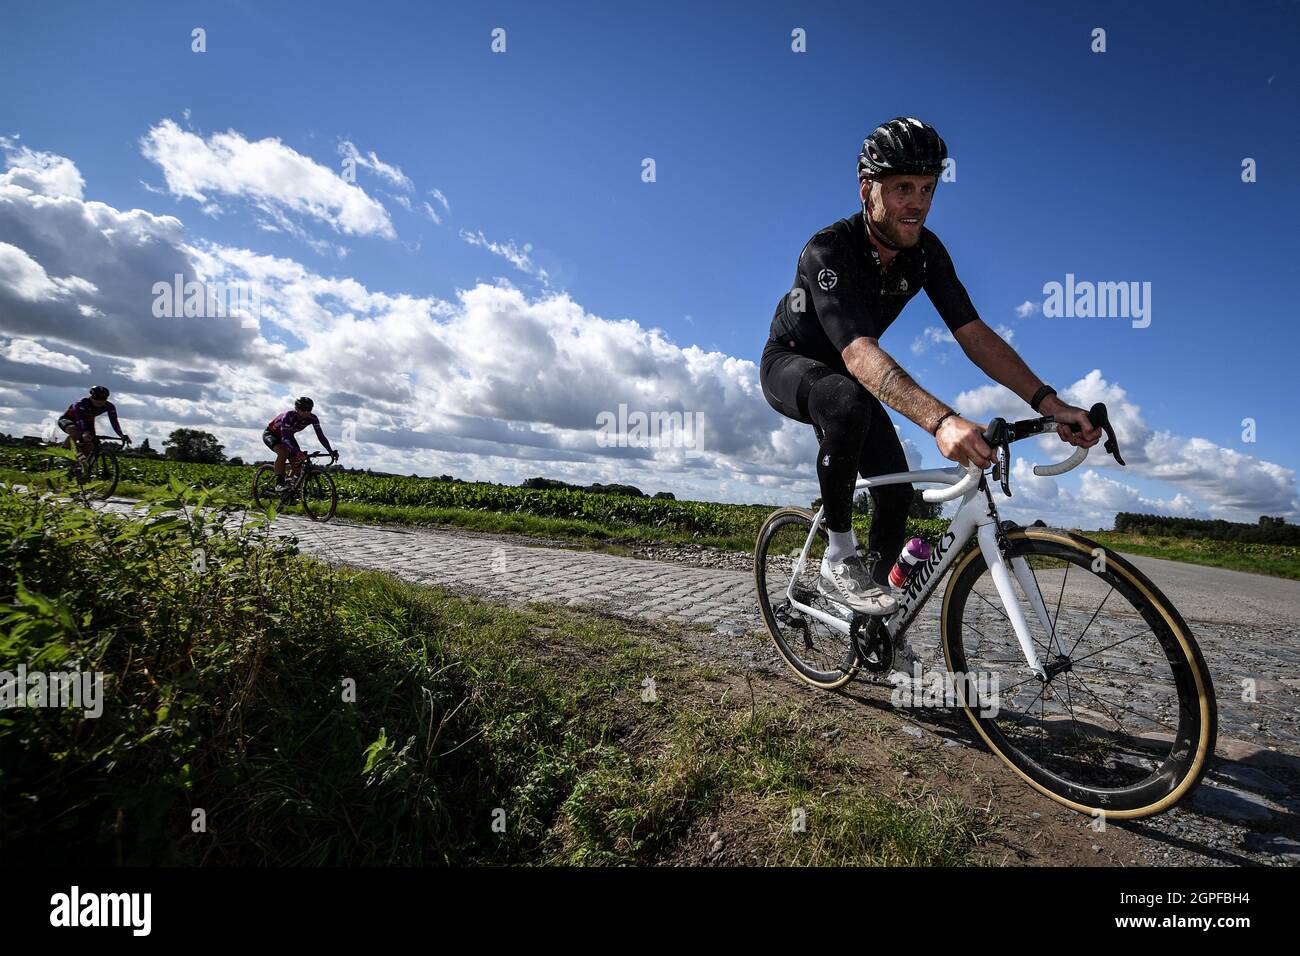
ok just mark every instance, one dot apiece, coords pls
pixel 827 279
pixel 917 581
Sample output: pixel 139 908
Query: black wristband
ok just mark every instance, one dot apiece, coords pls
pixel 940 422
pixel 1040 395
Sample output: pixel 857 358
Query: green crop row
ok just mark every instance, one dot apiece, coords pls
pixel 697 518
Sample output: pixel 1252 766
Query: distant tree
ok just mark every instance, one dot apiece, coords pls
pixel 190 444
pixel 546 484
pixel 235 461
pixel 920 508
pixel 146 450
pixel 629 490
pixel 666 495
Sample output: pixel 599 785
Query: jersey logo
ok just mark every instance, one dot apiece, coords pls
pixel 827 279
pixel 902 285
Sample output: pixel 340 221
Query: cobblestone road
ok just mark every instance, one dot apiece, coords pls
pixel 1258 731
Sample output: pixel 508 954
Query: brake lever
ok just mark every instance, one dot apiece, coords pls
pixel 1100 418
pixel 1112 443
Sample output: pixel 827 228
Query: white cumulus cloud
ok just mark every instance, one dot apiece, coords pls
pixel 274 177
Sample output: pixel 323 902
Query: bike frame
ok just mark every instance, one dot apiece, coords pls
pixel 976 517
pixel 305 471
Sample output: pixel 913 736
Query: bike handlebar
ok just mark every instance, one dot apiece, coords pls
pixel 1000 434
pixel 1061 467
pixel 1004 434
pixel 957 490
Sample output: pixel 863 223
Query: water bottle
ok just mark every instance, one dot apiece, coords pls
pixel 914 553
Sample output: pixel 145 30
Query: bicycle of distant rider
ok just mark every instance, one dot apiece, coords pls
pixel 96 473
pixel 1098 697
pixel 312 485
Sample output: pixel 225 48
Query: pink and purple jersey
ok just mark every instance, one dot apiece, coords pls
pixel 83 413
pixel 287 424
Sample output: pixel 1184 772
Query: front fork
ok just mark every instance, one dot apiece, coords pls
pixel 991 546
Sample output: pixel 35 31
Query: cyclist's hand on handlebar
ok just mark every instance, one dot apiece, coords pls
pixel 963 441
pixel 1067 415
pixel 334 455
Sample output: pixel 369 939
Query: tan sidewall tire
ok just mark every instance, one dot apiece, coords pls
pixel 1205 701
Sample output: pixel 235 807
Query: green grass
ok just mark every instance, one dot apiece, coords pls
pixel 228 692
pixel 597 521
pixel 1281 561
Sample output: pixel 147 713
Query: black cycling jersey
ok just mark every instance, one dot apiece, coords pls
pixel 840 291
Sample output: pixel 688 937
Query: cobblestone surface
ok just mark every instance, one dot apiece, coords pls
pixel 1246 811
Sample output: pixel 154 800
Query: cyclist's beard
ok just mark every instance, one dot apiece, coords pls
pixel 886 232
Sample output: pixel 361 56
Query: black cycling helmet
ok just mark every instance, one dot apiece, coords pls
pixel 304 404
pixel 99 392
pixel 902 147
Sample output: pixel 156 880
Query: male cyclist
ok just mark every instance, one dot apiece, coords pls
pixel 78 422
pixel 823 364
pixel 279 437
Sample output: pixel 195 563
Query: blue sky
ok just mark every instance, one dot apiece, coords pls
pixel 1115 166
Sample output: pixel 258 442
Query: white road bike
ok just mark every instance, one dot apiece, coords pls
pixel 1071 665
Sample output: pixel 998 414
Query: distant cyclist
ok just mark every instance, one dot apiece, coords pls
pixel 279 437
pixel 823 364
pixel 78 422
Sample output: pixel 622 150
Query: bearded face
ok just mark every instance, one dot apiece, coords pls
pixel 897 206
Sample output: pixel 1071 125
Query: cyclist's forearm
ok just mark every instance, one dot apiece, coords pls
pixel 1000 362
pixel 888 381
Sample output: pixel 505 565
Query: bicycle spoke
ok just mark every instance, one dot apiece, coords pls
pixel 1091 619
pixel 1127 710
pixel 1057 616
pixel 1109 670
pixel 1107 647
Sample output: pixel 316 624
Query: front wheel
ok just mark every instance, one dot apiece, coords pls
pixel 97 477
pixel 1123 721
pixel 319 496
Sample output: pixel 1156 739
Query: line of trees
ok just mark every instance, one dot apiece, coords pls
pixel 553 484
pixel 1268 530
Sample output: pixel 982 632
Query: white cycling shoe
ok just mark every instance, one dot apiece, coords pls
pixel 849 583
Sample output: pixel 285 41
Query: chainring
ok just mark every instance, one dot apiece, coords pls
pixel 872 642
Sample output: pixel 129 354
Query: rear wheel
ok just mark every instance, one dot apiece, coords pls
pixel 264 482
pixel 819 654
pixel 1125 722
